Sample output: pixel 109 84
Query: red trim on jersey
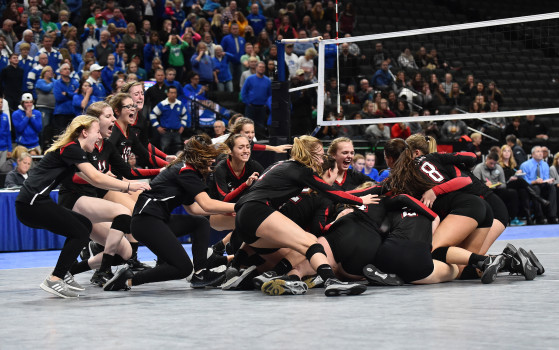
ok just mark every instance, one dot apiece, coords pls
pixel 223 193
pixel 156 161
pixel 186 167
pixel 458 172
pixel 466 154
pixel 233 172
pixel 102 144
pixel 343 180
pixel 341 194
pixel 361 190
pixel 423 206
pixel 78 180
pixel 66 145
pixel 145 172
pixel 235 193
pixel 125 134
pixel 452 185
pixel 258 147
pixel 156 151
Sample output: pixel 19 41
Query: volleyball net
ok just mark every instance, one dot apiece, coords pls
pixel 515 59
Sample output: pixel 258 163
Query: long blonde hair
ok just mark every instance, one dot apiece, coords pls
pixel 512 161
pixel 73 131
pixel 303 151
pixel 425 144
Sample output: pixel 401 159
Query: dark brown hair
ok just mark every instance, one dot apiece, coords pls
pixel 404 176
pixel 199 152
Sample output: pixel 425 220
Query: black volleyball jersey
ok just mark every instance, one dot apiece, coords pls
pixel 105 158
pixel 311 211
pixel 55 167
pixel 286 179
pixel 126 145
pixel 227 186
pixel 174 186
pixel 351 180
pixel 409 219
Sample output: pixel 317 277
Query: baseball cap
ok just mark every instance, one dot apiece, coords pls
pixel 26 97
pixel 64 23
pixel 95 67
pixel 299 72
pixel 99 16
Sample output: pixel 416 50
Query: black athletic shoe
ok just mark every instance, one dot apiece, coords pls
pixel 136 265
pixel 240 280
pixel 91 249
pixel 378 278
pixel 534 260
pixel 490 266
pixel 207 278
pixel 118 282
pixel 335 287
pixel 284 287
pixel 219 248
pixel 100 278
pixel 517 262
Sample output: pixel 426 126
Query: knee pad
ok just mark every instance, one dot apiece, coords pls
pixel 440 254
pixel 314 249
pixel 122 223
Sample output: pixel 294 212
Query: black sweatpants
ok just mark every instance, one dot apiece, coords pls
pixel 161 238
pixel 61 221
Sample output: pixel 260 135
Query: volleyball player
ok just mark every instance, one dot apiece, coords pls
pixel 341 149
pixel 263 226
pixel 110 220
pixel 36 209
pixel 182 183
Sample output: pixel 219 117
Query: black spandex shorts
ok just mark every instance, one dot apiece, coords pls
pixel 499 208
pixel 411 260
pixel 248 219
pixel 463 204
pixel 410 227
pixel 354 243
pixel 68 199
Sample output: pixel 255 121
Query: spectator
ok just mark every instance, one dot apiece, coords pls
pixel 286 30
pixel 22 25
pixel 271 70
pixel 5 135
pixel 104 48
pixel 83 98
pixel 202 64
pixel 382 79
pixel 219 128
pixel 513 127
pixel 38 32
pixel 456 97
pixel 264 43
pixel 401 109
pixel 96 82
pixel 152 50
pixel 494 94
pixel 517 150
pixel 169 118
pixel 400 130
pixel 157 92
pixel 384 111
pixel 252 63
pixel 452 130
pixel 208 40
pixel 26 63
pixel 533 129
pixel 347 19
pixel 141 72
pixel 350 97
pixel 447 83
pixel 348 65
pixel 256 20
pixel 133 43
pixel 71 35
pixel 176 59
pixel 302 104
pixel 118 20
pixel 11 80
pixel 469 88
pixel 27 123
pixel 440 100
pixel 291 60
pixel 380 55
pixel 235 45
pixel 365 92
pixel 537 176
pixel 64 90
pixel 223 77
pixel 54 57
pixel 368 111
pixel 421 58
pixel 194 89
pixel 28 38
pixel 108 73
pixel 45 101
pixel 369 168
pixel 16 177
pixel 546 156
pixel 377 132
pixel 35 73
pixel 306 63
pixel 249 52
pixel 8 33
pixel 474 146
pixel 435 61
pixel 255 93
pixel 170 80
pixel 407 61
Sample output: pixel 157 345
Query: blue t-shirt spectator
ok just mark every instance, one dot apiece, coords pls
pixel 256 90
pixel 64 95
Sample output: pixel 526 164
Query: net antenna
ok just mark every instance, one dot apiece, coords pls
pixel 416 32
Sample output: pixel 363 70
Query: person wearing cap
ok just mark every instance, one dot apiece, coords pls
pixel 27 38
pixel 26 63
pixel 95 81
pixel 64 90
pixel 11 80
pixel 8 33
pixel 252 63
pixel 54 56
pixel 291 60
pixel 27 123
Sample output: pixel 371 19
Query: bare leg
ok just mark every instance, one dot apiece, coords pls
pixel 222 222
pixel 441 273
pixel 453 230
pixel 494 232
pixel 99 234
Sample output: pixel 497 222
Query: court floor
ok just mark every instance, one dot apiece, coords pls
pixel 511 313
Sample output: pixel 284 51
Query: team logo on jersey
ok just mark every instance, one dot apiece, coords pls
pixel 407 213
pixel 295 199
pixel 102 166
pixel 363 208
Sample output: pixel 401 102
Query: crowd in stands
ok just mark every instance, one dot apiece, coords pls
pixel 58 57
